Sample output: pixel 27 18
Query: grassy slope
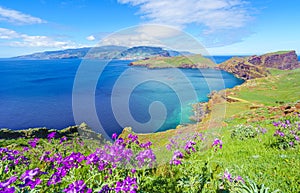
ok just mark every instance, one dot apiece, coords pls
pixel 277 169
pixel 282 87
pixel 279 52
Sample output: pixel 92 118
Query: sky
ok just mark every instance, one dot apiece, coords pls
pixel 222 27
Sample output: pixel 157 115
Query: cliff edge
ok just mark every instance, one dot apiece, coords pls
pixel 256 66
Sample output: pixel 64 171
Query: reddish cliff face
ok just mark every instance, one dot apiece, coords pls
pixel 256 66
pixel 280 60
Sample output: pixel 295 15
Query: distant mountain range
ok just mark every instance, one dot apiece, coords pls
pixel 105 52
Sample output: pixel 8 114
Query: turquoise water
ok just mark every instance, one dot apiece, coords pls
pixel 39 93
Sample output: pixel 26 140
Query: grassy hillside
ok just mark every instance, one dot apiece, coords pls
pixel 282 87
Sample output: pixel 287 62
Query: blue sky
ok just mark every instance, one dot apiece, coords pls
pixel 223 27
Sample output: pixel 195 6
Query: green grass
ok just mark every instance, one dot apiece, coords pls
pixel 282 87
pixel 275 71
pixel 254 158
pixel 279 52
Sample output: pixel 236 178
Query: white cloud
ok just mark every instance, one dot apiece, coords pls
pixel 23 40
pixel 213 14
pixel 91 38
pixel 157 31
pixel 214 19
pixel 17 17
pixel 154 35
pixel 143 35
pixel 8 34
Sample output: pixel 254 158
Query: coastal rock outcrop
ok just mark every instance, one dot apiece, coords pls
pixel 243 69
pixel 283 60
pixel 256 66
pixel 82 130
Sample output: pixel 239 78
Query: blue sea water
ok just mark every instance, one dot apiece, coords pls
pixel 41 93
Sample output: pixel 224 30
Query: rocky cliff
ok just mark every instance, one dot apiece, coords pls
pixel 283 60
pixel 243 69
pixel 256 66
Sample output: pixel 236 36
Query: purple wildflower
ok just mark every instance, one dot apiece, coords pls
pixel 175 162
pixel 64 138
pixel 291 144
pixel 127 185
pixel 146 157
pixel 14 157
pixel 281 134
pixel 297 138
pixel 33 142
pixel 77 187
pixel 7 182
pixel 146 145
pixel 239 179
pixel 227 176
pixel 6 169
pixel 51 135
pixel 105 189
pixel 28 178
pixel 189 146
pixel 54 179
pixel 25 148
pixel 217 142
pixel 45 156
pixel 263 130
pixel 133 138
pixel 133 170
pixel 119 141
pixel 7 190
pixel 114 136
pixel 177 155
pixel 169 146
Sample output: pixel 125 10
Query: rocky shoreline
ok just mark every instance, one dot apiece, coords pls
pixel 83 130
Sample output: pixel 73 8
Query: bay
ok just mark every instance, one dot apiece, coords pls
pixel 39 93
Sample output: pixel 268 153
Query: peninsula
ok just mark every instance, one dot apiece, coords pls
pixel 191 61
pixel 246 68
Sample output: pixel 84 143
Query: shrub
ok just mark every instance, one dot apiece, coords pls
pixel 243 132
pixel 287 134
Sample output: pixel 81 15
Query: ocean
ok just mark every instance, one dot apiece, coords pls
pixel 106 95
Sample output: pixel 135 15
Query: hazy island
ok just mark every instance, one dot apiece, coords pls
pixel 104 53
